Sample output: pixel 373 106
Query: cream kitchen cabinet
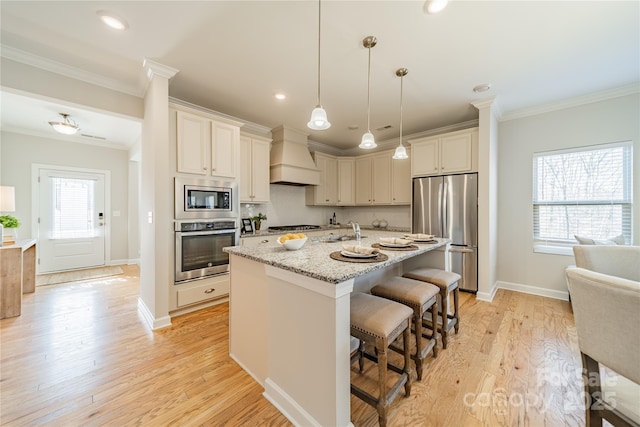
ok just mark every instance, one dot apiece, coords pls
pixel 401 181
pixel 448 153
pixel 346 181
pixel 326 193
pixel 373 179
pixel 254 169
pixel 206 146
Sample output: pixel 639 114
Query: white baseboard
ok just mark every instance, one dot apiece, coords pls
pixel 289 407
pixel 487 296
pixel 153 323
pixel 247 370
pixel 534 290
pixel 123 261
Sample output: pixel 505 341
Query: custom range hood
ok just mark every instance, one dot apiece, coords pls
pixel 291 162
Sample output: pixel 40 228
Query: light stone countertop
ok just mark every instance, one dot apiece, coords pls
pixel 313 258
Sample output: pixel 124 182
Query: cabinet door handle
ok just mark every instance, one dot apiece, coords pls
pixel 204 169
pixel 208 291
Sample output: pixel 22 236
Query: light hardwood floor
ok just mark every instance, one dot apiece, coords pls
pixel 80 354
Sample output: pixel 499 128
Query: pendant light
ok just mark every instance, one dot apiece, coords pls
pixel 368 142
pixel 67 127
pixel 401 152
pixel 318 115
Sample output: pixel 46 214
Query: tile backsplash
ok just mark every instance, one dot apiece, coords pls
pixel 288 207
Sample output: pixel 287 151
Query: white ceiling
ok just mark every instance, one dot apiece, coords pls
pixel 232 57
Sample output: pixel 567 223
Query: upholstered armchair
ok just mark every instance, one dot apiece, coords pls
pixel 605 295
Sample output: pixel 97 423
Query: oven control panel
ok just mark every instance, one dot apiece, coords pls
pixel 186 226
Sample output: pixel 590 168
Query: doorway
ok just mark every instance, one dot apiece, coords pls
pixel 70 216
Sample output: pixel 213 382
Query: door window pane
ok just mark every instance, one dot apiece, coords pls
pixel 73 210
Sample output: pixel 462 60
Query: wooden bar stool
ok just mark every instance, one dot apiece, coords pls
pixel 447 281
pixel 380 321
pixel 420 297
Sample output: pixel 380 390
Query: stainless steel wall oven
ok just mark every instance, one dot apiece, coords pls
pixel 199 247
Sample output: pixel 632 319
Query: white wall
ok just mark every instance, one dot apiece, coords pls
pixel 20 151
pixel 597 123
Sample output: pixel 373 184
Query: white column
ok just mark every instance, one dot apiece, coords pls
pixel 487 197
pixel 156 207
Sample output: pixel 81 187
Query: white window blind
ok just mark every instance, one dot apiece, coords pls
pixel 73 208
pixel 585 191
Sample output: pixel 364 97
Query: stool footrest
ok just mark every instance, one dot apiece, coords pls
pixel 390 365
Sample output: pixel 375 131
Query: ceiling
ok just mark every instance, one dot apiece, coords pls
pixel 233 56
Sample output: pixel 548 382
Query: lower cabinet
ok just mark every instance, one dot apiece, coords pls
pixel 202 290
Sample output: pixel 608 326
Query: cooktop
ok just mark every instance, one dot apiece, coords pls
pixel 294 227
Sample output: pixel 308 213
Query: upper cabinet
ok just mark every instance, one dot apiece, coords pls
pixel 326 193
pixel 453 152
pixel 373 179
pixel 193 141
pixel 370 179
pixel 401 181
pixel 346 181
pixel 206 146
pixel 224 149
pixel 254 169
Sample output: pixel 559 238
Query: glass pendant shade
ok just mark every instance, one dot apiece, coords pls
pixel 368 141
pixel 319 119
pixel 67 127
pixel 401 153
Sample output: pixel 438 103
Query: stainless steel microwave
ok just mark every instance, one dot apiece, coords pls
pixel 205 199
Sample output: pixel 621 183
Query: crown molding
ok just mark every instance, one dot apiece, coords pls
pixel 572 102
pixel 65 70
pixel 154 69
pixel 247 126
pixel 392 143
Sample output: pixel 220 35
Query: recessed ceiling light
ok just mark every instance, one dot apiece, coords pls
pixel 280 96
pixel 113 20
pixel 482 88
pixel 434 6
pixel 353 127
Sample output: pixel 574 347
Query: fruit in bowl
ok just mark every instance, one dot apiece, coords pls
pixel 292 241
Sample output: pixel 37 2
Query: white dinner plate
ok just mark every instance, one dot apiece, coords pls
pixel 349 254
pixel 393 245
pixel 429 240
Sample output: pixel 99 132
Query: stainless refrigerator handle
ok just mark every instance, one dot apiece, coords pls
pixel 445 213
pixel 461 250
pixel 440 198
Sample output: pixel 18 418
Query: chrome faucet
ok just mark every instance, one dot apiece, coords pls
pixel 356 229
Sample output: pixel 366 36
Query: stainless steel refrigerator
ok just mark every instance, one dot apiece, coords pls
pixel 447 206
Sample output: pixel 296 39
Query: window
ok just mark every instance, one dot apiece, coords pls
pixel 584 191
pixel 73 208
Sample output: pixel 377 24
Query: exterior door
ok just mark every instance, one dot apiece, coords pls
pixel 71 220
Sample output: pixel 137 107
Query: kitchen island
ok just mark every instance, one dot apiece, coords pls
pixel 289 319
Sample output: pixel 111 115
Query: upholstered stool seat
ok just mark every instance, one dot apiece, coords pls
pixel 380 321
pixel 447 281
pixel 420 297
